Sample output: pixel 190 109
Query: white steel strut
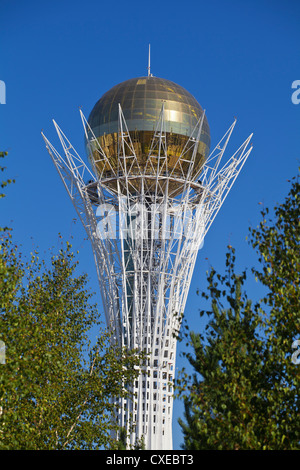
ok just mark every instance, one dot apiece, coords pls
pixel 145 246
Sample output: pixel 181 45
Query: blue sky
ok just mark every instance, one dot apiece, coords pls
pixel 237 59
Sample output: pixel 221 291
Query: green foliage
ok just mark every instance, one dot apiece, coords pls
pixel 4 183
pixel 121 442
pixel 55 386
pixel 54 392
pixel 244 392
pixel 278 247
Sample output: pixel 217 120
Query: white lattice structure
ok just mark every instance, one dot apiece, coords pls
pixel 145 246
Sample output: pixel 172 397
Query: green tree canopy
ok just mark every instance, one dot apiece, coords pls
pixel 244 392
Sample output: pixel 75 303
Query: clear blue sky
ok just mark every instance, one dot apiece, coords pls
pixel 238 58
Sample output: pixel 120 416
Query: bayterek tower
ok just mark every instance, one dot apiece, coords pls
pixel 147 194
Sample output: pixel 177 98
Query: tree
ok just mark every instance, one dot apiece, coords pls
pixel 55 386
pixel 55 392
pixel 244 393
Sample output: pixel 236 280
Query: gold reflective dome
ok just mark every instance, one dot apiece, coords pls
pixel 141 102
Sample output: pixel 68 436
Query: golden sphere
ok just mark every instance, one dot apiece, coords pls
pixel 141 102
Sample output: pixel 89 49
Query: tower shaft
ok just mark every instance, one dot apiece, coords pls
pixel 148 286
